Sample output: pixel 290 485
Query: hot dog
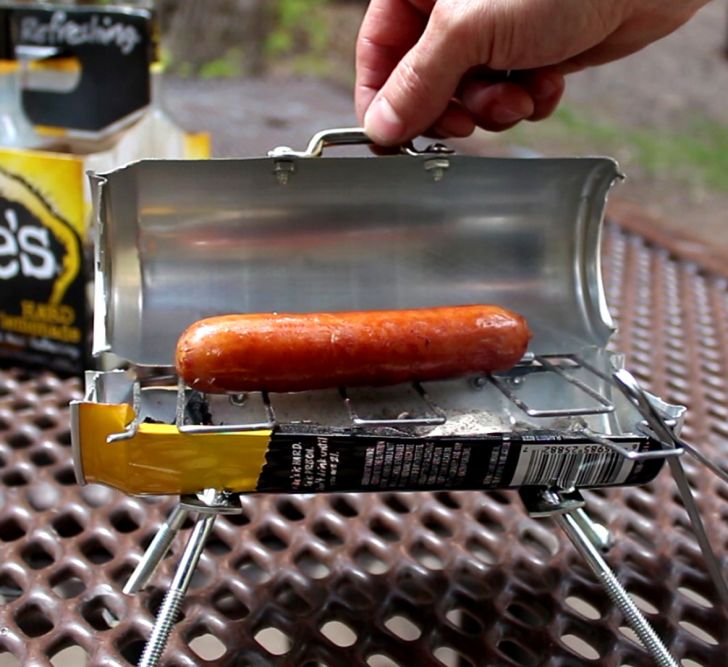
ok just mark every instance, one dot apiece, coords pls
pixel 296 352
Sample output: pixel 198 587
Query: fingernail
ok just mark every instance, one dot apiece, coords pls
pixel 505 115
pixel 382 124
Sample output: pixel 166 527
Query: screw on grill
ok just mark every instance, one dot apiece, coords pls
pixel 156 550
pixel 172 603
pixel 209 504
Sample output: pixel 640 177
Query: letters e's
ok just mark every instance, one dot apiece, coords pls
pixel 24 249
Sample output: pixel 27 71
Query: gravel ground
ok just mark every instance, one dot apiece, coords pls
pixel 247 117
pixel 667 83
pixel 665 87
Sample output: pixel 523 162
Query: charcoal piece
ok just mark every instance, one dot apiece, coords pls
pixel 152 420
pixel 198 409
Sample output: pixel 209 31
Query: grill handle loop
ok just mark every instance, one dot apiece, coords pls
pixel 351 136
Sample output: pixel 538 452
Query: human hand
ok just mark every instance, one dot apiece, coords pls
pixel 440 66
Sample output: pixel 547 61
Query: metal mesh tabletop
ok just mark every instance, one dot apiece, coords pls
pixel 394 579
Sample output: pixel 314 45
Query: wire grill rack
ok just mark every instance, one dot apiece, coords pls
pixel 406 408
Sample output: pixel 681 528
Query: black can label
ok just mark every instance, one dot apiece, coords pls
pixel 312 464
pixel 113 48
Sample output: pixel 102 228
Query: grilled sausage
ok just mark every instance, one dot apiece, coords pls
pixel 296 352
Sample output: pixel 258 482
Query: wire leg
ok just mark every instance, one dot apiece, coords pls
pixel 172 603
pixel 156 550
pixel 711 560
pixel 618 595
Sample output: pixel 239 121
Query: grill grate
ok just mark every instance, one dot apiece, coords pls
pixel 192 408
pixel 419 578
pixel 409 407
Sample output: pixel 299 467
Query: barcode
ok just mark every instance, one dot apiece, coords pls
pixel 571 465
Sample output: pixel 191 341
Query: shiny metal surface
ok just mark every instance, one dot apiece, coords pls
pixel 156 551
pixel 172 603
pixel 181 240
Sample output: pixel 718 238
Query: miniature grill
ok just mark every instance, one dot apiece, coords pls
pixel 553 420
pixel 179 241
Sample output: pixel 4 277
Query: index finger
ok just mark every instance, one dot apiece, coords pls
pixel 389 30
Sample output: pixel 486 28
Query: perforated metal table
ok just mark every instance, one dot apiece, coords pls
pixel 407 579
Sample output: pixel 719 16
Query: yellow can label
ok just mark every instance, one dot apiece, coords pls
pixel 42 296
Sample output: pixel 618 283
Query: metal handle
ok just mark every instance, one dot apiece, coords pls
pixel 350 136
pixel 347 136
pixel 344 136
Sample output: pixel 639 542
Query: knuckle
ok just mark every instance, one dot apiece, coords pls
pixel 510 41
pixel 486 32
pixel 411 82
pixel 455 22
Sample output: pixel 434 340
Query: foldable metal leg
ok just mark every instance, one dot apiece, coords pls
pixel 598 535
pixel 656 422
pixel 570 516
pixel 156 550
pixel 172 603
pixel 207 505
pixel 617 594
pixel 712 563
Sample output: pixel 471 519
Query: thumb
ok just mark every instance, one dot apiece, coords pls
pixel 419 89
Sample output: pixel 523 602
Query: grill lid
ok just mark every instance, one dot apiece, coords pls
pixel 181 240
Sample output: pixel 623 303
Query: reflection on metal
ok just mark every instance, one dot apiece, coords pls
pixel 182 240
